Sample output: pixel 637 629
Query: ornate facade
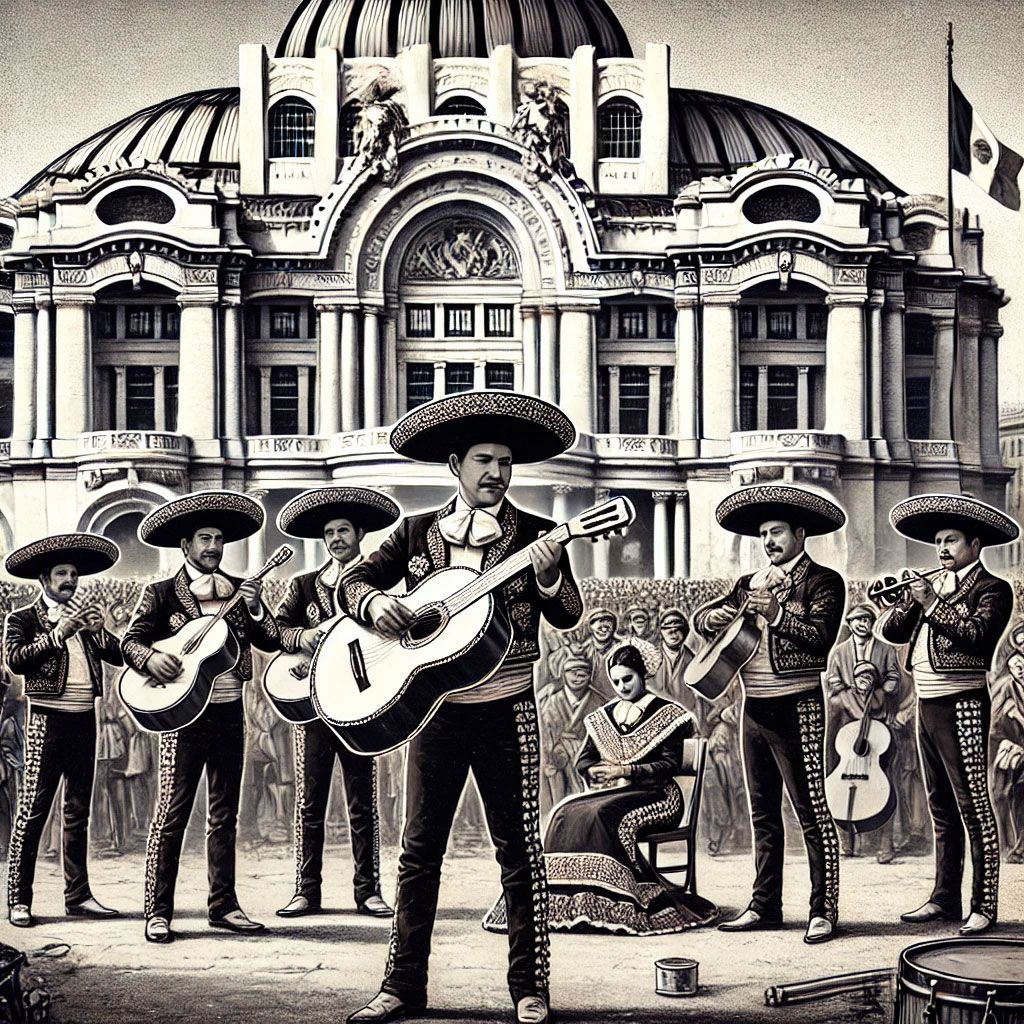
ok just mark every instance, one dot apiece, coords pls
pixel 245 287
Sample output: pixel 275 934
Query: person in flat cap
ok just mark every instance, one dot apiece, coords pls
pixel 340 517
pixel 602 635
pixel 638 622
pixel 799 607
pixel 953 623
pixel 200 525
pixel 675 656
pixel 58 646
pixel 490 729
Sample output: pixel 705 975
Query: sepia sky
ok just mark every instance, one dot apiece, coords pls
pixel 870 73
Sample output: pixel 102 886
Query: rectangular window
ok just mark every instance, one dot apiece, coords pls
pixel 106 321
pixel 603 401
pixel 419 321
pixel 284 400
pixel 634 398
pixel 6 407
pixel 632 321
pixel 171 397
pixel 748 321
pixel 666 321
pixel 458 321
pixel 284 321
pixel 920 335
pixel 781 397
pixel 817 322
pixel 139 322
pixel 667 388
pixel 498 321
pixel 604 322
pixel 919 407
pixel 781 322
pixel 140 398
pixel 170 322
pixel 748 398
pixel 419 384
pixel 458 377
pixel 252 321
pixel 500 376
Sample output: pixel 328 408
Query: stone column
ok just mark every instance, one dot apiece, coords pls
pixel 120 398
pixel 988 370
pixel 684 388
pixel 256 544
pixel 577 367
pixel 303 395
pixel 548 354
pixel 25 355
pixel 654 401
pixel 967 393
pixel 266 413
pixel 844 367
pixel 44 379
pixel 894 387
pixel 662 548
pixel 762 397
pixel 371 368
pixel 440 384
pixel 803 403
pixel 720 361
pixel 348 393
pixel 875 338
pixel 479 374
pixel 328 370
pixel 601 549
pixel 159 399
pixel 613 400
pixel 942 377
pixel 197 376
pixel 531 385
pixel 233 372
pixel 681 536
pixel 74 367
pixel 390 368
pixel 560 503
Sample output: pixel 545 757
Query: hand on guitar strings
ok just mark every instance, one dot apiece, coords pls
pixel 389 616
pixel 163 667
pixel 308 640
pixel 251 592
pixel 764 603
pixel 718 618
pixel 544 557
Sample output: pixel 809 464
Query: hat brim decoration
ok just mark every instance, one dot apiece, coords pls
pixel 236 515
pixel 534 430
pixel 87 552
pixel 922 516
pixel 745 510
pixel 308 513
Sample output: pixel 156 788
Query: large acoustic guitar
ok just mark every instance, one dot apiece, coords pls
pixel 207 648
pixel 288 682
pixel 377 693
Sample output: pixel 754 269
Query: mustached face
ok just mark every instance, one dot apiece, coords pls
pixel 60 583
pixel 955 551
pixel 342 540
pixel 781 542
pixel 205 548
pixel 484 473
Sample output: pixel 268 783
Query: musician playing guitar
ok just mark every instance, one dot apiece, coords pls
pixel 491 729
pixel 200 524
pixel 800 607
pixel 339 516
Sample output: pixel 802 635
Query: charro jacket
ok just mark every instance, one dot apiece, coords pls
pixel 416 549
pixel 164 607
pixel 812 615
pixel 32 651
pixel 965 626
pixel 307 602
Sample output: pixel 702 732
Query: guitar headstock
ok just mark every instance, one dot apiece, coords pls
pixel 280 556
pixel 601 520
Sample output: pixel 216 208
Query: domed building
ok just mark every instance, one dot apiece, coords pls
pixel 246 287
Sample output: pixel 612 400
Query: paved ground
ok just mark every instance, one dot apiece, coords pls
pixel 317 969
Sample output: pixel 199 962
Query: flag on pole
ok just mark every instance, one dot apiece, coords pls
pixel 976 152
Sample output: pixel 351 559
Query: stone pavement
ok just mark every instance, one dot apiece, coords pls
pixel 318 969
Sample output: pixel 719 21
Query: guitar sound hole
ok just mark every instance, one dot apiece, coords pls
pixel 427 623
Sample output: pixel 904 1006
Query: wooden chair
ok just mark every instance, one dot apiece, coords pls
pixel 690 782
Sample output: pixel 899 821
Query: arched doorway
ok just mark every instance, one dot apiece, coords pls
pixel 137 559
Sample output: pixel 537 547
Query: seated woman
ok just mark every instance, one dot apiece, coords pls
pixel 597 877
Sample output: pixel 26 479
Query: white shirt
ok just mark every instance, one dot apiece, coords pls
pixel 78 693
pixel 331 574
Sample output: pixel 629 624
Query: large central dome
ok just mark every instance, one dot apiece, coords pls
pixel 454 28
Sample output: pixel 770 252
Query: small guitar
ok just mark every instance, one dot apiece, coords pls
pixel 377 693
pixel 288 683
pixel 207 648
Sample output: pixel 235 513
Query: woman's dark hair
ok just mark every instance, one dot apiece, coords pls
pixel 629 656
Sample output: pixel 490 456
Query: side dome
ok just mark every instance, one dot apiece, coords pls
pixel 454 28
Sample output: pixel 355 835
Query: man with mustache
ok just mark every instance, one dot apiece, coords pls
pixel 953 626
pixel 799 608
pixel 58 648
pixel 340 517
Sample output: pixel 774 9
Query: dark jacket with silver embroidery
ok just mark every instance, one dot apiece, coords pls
pixel 166 606
pixel 416 549
pixel 306 604
pixel 812 615
pixel 965 626
pixel 32 651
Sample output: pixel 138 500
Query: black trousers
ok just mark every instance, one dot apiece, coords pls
pixel 783 740
pixel 498 741
pixel 953 737
pixel 58 744
pixel 316 748
pixel 214 742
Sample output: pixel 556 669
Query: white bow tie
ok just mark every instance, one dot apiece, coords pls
pixel 471 527
pixel 57 612
pixel 626 713
pixel 212 587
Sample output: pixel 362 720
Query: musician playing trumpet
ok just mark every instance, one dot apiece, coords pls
pixel 799 607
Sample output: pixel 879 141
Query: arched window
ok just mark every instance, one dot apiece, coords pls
pixel 349 120
pixel 456 105
pixel 619 130
pixel 292 123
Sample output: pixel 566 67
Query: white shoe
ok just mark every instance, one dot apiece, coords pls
pixel 381 1008
pixel 20 915
pixel 532 1010
pixel 819 929
pixel 976 924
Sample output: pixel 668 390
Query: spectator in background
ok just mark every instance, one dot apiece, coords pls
pixel 110 796
pixel 602 629
pixel 1008 761
pixel 12 762
pixel 675 656
pixel 638 623
pixel 724 808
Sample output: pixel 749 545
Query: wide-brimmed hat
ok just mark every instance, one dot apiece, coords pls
pixel 745 510
pixel 87 552
pixel 308 513
pixel 923 515
pixel 533 429
pixel 236 515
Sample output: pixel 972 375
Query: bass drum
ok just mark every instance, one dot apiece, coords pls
pixel 961 981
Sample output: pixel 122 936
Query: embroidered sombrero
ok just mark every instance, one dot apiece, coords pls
pixel 236 515
pixel 87 552
pixel 923 515
pixel 307 514
pixel 745 510
pixel 533 429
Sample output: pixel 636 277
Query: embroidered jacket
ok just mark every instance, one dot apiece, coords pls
pixel 812 615
pixel 307 602
pixel 32 651
pixel 965 626
pixel 416 548
pixel 164 607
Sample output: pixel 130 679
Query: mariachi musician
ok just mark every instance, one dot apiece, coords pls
pixel 799 606
pixel 58 648
pixel 340 517
pixel 952 625
pixel 200 524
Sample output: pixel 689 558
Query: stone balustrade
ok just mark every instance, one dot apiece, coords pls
pixel 934 451
pixel 633 446
pixel 786 442
pixel 104 441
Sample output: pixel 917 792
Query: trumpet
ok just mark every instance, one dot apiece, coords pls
pixel 888 590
